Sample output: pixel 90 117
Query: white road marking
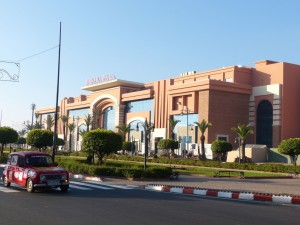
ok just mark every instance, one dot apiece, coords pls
pixel 7 190
pixel 78 187
pixel 110 185
pixel 90 185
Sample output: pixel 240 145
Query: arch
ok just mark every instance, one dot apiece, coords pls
pixel 264 123
pixel 105 96
pixel 136 118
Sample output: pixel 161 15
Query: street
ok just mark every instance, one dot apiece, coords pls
pixel 102 203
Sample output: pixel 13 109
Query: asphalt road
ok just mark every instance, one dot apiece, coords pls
pixel 89 203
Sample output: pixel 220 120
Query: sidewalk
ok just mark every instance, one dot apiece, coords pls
pixel 279 186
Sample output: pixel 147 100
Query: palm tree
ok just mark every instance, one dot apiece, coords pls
pixel 50 122
pixel 96 118
pixel 33 106
pixel 172 124
pixel 243 131
pixel 71 128
pixel 36 116
pixel 65 120
pixel 123 130
pixel 22 132
pixel 202 127
pixel 38 125
pixel 88 120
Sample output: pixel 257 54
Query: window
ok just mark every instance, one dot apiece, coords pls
pixel 14 160
pixel 222 137
pixel 140 106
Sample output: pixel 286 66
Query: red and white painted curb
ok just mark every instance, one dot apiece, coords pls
pixel 281 199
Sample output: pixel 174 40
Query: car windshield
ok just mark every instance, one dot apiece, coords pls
pixel 39 160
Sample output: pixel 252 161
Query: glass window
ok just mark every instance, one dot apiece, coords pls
pixel 140 106
pixel 185 119
pixel 81 113
pixel 14 160
pixel 109 118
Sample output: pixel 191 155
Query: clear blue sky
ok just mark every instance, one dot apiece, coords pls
pixel 136 40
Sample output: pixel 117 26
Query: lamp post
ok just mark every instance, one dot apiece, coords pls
pixel 186 110
pixel 147 130
pixel 132 145
pixel 239 140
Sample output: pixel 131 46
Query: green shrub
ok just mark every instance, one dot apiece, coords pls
pixel 3 159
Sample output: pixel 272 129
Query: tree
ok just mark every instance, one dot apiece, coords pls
pixel 21 141
pixel 96 118
pixel 126 146
pixel 7 135
pixel 40 139
pixel 172 124
pixel 168 144
pixel 123 130
pixel 50 122
pixel 88 121
pixel 202 127
pixel 290 147
pixel 65 120
pixel 101 142
pixel 243 131
pixel 71 128
pixel 22 132
pixel 33 106
pixel 60 142
pixel 220 148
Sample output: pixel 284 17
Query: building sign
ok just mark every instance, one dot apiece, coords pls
pixel 100 79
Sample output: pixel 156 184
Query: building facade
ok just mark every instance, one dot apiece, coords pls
pixel 264 96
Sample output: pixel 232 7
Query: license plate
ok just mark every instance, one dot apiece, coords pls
pixel 53 182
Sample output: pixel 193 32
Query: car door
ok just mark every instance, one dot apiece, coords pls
pixel 20 170
pixel 12 171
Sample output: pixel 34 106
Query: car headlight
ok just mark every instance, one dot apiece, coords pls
pixel 64 176
pixel 43 177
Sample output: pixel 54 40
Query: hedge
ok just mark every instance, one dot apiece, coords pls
pixel 265 167
pixel 123 170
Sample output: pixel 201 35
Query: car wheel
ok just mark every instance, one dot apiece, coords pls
pixel 64 188
pixel 5 182
pixel 30 185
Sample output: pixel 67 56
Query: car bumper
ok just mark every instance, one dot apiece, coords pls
pixel 46 185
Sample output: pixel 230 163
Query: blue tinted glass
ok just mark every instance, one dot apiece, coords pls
pixel 109 118
pixel 140 106
pixel 81 113
pixel 185 119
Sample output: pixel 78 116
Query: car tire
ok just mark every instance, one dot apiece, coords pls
pixel 64 188
pixel 30 185
pixel 5 182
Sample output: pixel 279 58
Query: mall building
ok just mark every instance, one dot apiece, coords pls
pixel 265 97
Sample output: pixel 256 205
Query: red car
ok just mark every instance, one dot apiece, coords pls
pixel 34 170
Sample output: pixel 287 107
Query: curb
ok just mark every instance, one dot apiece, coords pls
pixel 249 196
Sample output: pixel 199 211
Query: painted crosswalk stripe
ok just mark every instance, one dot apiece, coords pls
pixel 90 185
pixel 109 185
pixel 78 187
pixel 7 190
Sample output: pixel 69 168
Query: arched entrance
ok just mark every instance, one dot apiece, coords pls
pixel 264 122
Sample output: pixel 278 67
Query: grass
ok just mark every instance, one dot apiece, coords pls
pixel 211 172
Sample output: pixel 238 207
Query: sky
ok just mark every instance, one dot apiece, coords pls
pixel 136 40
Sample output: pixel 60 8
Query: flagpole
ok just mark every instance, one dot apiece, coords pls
pixel 56 106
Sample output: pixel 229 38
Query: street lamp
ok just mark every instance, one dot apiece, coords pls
pixel 148 127
pixel 187 111
pixel 235 141
pixel 132 145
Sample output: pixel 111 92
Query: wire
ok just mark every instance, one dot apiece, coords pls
pixel 37 53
